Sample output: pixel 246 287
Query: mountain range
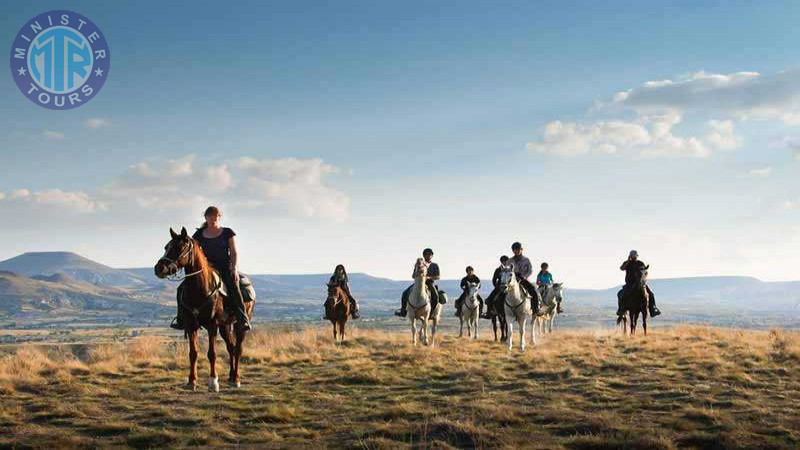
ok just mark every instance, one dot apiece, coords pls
pixel 64 283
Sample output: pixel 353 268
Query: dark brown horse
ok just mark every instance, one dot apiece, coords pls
pixel 201 304
pixel 636 301
pixel 499 318
pixel 337 309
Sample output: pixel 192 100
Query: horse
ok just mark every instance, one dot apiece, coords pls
pixel 470 312
pixel 419 304
pixel 201 303
pixel 498 317
pixel 548 311
pixel 337 308
pixel 517 305
pixel 636 301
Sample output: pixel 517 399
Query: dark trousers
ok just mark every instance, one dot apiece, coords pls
pixel 432 288
pixel 233 301
pixel 531 290
pixel 651 304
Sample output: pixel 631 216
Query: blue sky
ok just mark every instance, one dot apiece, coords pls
pixel 413 124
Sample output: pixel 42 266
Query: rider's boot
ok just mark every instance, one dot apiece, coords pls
pixel 177 323
pixel 241 317
pixel 354 311
pixel 458 307
pixel 558 308
pixel 654 311
pixel 620 309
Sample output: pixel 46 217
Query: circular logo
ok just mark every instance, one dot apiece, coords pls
pixel 60 59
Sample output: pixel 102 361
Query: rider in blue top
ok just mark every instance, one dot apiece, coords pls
pixel 544 280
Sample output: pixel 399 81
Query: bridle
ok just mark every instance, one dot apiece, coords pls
pixel 522 303
pixel 173 263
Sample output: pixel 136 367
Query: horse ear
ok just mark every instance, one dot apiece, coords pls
pixel 172 233
pixel 184 233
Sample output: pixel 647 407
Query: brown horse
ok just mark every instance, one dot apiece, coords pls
pixel 636 301
pixel 337 309
pixel 201 302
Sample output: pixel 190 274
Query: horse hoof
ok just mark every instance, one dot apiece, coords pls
pixel 213 385
pixel 191 386
pixel 235 384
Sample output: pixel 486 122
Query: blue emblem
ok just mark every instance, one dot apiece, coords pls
pixel 60 59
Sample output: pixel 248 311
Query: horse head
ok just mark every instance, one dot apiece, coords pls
pixel 472 289
pixel 507 277
pixel 419 268
pixel 177 254
pixel 333 291
pixel 558 289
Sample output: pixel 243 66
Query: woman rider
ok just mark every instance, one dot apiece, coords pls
pixel 339 278
pixel 219 246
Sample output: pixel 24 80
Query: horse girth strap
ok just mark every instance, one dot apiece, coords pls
pixel 209 299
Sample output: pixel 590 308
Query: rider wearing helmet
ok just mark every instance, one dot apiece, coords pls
pixel 432 274
pixel 523 270
pixel 340 278
pixel 544 281
pixel 633 267
pixel 470 278
pixel 490 300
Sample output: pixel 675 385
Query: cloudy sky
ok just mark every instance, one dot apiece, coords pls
pixel 362 132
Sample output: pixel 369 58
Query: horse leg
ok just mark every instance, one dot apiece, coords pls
pixel 240 334
pixel 414 331
pixel 644 322
pixel 522 333
pixel 213 381
pixel 341 328
pixel 225 332
pixel 494 327
pixel 461 326
pixel 477 322
pixel 510 327
pixel 334 329
pixel 192 384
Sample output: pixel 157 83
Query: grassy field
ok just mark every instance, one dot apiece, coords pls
pixel 682 387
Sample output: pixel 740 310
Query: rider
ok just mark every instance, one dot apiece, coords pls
pixel 470 278
pixel 544 281
pixel 219 246
pixel 490 300
pixel 432 274
pixel 523 269
pixel 633 267
pixel 339 278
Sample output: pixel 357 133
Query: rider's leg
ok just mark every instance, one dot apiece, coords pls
pixel 482 313
pixel 235 299
pixel 652 303
pixel 177 322
pixel 533 292
pixel 354 302
pixel 459 303
pixel 491 304
pixel 620 309
pixel 403 302
pixel 434 292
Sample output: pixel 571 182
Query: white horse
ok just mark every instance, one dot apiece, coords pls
pixel 419 304
pixel 470 312
pixel 517 305
pixel 548 311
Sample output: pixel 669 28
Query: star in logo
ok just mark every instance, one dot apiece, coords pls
pixel 98 72
pixel 21 71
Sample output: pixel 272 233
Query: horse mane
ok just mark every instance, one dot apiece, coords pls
pixel 201 263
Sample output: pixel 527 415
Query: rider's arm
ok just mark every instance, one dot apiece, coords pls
pixel 234 258
pixel 624 265
pixel 433 272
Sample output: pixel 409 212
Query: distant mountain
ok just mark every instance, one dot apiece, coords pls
pixel 20 294
pixel 71 264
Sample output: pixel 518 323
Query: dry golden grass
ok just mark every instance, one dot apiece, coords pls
pixel 682 387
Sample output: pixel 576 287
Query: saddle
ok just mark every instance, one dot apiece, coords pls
pixel 245 286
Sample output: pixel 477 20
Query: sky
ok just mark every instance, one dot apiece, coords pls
pixel 362 132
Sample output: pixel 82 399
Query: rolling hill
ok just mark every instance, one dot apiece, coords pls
pixel 68 263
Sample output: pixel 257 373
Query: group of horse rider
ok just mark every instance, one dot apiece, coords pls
pixel 219 246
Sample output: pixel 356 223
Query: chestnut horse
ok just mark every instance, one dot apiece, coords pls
pixel 201 305
pixel 337 309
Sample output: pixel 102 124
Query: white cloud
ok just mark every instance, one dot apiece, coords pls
pixel 741 95
pixel 650 136
pixel 660 105
pixel 721 135
pixel 55 135
pixel 71 201
pixel 97 122
pixel 760 172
